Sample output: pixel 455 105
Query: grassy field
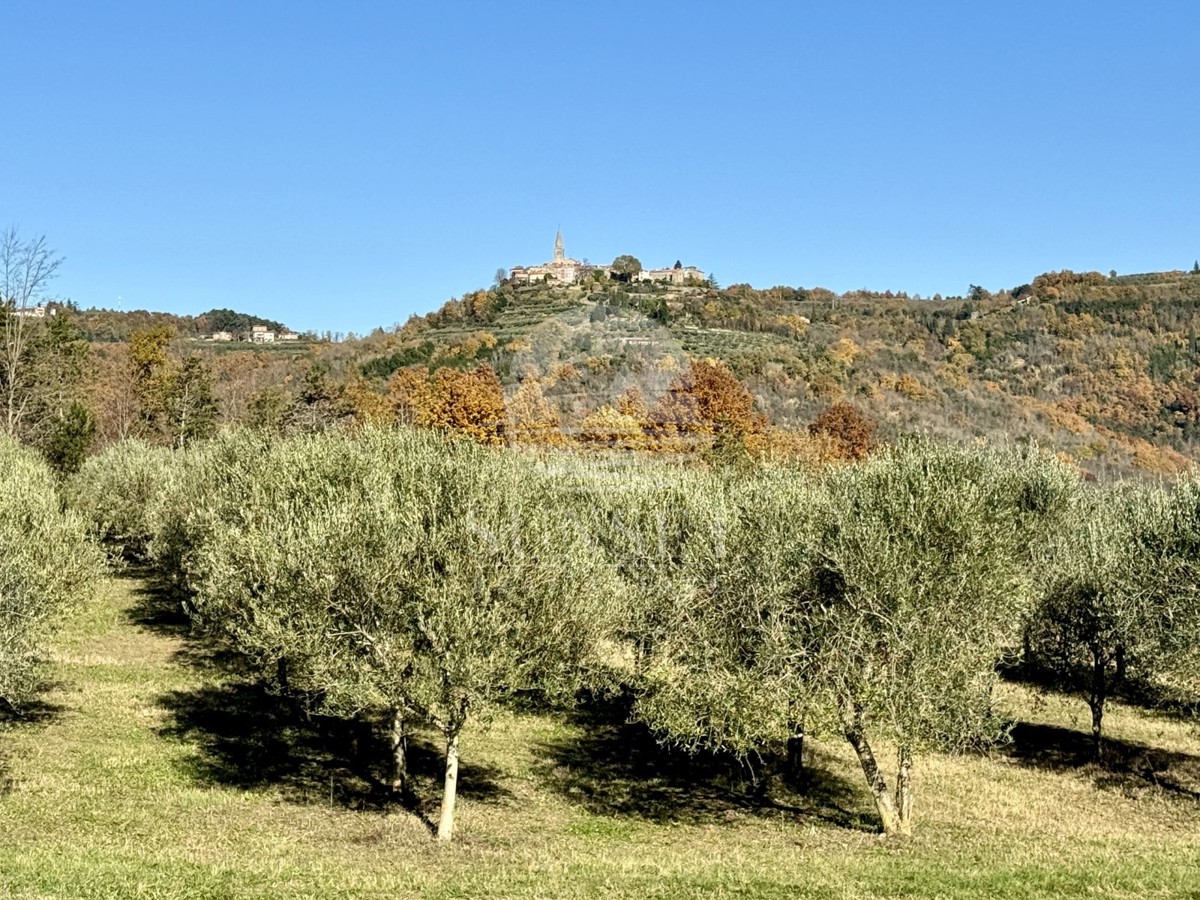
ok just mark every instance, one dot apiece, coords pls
pixel 155 769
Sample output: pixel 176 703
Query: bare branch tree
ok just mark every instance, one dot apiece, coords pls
pixel 26 268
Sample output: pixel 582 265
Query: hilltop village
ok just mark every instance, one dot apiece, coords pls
pixel 564 270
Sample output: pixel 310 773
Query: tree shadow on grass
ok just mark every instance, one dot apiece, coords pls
pixel 616 767
pixel 1124 766
pixel 1159 699
pixel 160 607
pixel 1152 698
pixel 35 713
pixel 249 738
pixel 249 735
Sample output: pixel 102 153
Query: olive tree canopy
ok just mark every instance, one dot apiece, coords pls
pixel 47 567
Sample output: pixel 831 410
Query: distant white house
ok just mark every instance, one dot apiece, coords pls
pixel 221 336
pixel 34 312
pixel 289 336
pixel 260 334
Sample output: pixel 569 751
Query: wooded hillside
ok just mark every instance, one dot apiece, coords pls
pixel 1104 369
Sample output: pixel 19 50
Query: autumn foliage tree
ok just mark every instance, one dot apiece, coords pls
pixel 175 398
pixel 632 403
pixel 411 396
pixel 722 401
pixel 704 400
pixel 531 418
pixel 607 428
pixel 150 367
pixel 673 424
pixel 367 406
pixel 468 401
pixel 851 433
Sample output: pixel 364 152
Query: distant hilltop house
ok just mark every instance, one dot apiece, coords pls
pixel 34 312
pixel 682 275
pixel 258 334
pixel 564 270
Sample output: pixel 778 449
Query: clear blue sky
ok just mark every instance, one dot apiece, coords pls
pixel 342 165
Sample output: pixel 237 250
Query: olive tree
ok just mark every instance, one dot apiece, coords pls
pixel 662 528
pixel 1121 597
pixel 920 582
pixel 407 571
pixel 116 490
pixel 872 603
pixel 1171 560
pixel 711 564
pixel 47 567
pixel 722 674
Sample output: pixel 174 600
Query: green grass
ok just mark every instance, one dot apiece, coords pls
pixel 155 770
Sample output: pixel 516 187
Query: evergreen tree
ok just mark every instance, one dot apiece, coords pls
pixel 190 404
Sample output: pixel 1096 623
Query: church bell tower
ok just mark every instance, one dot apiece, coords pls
pixel 559 255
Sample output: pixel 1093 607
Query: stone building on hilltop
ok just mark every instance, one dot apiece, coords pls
pixel 560 270
pixel 564 270
pixel 681 275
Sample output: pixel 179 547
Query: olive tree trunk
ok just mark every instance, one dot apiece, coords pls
pixel 890 815
pixel 399 744
pixel 281 675
pixel 904 787
pixel 450 790
pixel 795 758
pixel 1096 697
